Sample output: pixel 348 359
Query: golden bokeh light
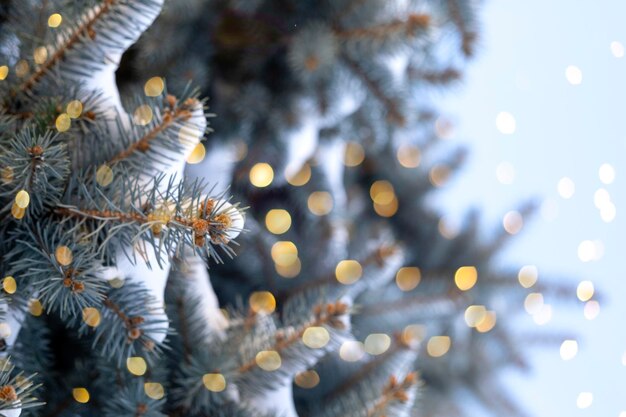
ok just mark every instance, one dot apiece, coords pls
pixel 55 20
pixel 268 360
pixel 299 177
pixel 533 303
pixel 35 307
pixel 91 316
pixel 22 199
pixel 4 72
pixel 377 343
pixel 214 382
pixel 278 221
pixel 136 365
pixel 591 310
pixel 382 192
pixel 487 323
pixel 261 175
pixel 197 154
pixel 262 302
pixel 143 115
pixel 40 55
pixel 466 277
pixel 320 203
pixel 74 109
pixel 585 290
pixel 63 255
pixel 9 285
pixel 408 278
pixel 284 253
pixel 351 351
pixel 63 122
pixel 81 395
pixel 289 271
pixel 528 276
pixel 154 390
pixel 154 87
pixel 409 156
pixel 348 271
pixel 474 315
pixel 104 175
pixel 354 154
pixel 438 346
pixel 413 334
pixel 307 379
pixel 439 175
pixel 315 337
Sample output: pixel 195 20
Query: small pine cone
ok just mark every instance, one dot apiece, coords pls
pixel 134 334
pixel 8 393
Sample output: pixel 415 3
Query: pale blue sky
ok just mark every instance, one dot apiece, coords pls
pixel 562 130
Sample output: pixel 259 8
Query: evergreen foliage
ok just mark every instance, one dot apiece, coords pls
pixel 349 294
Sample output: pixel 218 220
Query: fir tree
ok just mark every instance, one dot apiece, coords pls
pixel 349 295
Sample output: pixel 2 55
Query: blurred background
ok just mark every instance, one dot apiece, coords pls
pixel 542 112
